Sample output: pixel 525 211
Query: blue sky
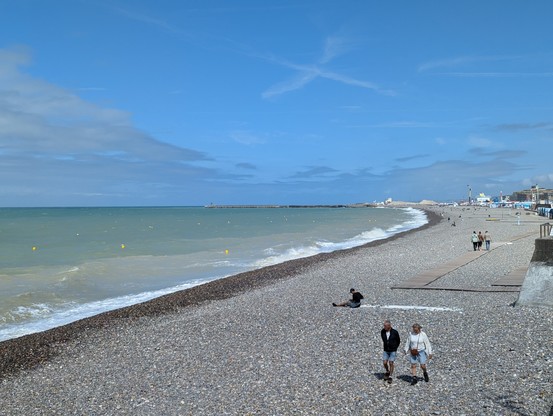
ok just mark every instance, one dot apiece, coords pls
pixel 290 102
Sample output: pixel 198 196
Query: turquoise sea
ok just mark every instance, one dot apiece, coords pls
pixel 58 265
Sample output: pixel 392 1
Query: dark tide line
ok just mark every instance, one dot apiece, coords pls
pixel 29 351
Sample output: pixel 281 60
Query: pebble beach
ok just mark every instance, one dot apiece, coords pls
pixel 268 342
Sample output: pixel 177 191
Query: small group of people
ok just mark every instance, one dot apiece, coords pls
pixel 417 344
pixel 479 239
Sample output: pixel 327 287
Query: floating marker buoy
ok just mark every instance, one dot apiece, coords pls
pixel 122 245
pixel 226 251
pixel 34 248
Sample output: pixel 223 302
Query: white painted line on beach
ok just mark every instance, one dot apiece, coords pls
pixel 424 308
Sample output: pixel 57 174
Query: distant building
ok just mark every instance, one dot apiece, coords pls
pixel 535 194
pixel 483 199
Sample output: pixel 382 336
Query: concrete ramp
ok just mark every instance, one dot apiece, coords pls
pixel 537 289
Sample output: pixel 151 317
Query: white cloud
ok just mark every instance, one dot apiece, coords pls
pixel 463 60
pixel 91 89
pixel 55 146
pixel 334 47
pixel 480 142
pixel 247 137
pixel 499 74
pixel 246 165
pixel 319 172
pixel 448 62
pixel 543 181
pixel 147 18
pixel 293 84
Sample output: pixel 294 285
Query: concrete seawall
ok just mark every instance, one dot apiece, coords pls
pixel 537 289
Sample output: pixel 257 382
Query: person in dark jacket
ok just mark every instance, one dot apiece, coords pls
pixel 354 302
pixel 391 341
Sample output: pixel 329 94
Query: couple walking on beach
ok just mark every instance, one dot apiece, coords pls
pixel 479 239
pixel 417 345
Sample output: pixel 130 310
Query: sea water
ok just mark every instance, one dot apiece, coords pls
pixel 58 265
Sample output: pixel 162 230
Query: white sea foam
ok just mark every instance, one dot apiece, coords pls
pixel 43 316
pixel 419 218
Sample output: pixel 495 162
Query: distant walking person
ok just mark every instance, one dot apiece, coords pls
pixel 391 341
pixel 419 349
pixel 354 302
pixel 480 240
pixel 488 240
pixel 474 239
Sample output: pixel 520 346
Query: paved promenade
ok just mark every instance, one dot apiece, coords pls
pixel 510 282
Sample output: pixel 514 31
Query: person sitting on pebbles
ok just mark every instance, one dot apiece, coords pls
pixel 354 302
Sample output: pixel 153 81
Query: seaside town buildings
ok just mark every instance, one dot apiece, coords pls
pixel 532 198
pixel 535 194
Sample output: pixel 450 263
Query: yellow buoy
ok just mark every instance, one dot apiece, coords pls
pixel 122 245
pixel 226 251
pixel 34 248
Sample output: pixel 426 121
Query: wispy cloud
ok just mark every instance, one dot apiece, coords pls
pixel 463 60
pixel 247 137
pixel 351 107
pixel 480 142
pixel 498 154
pixel 296 83
pixel 545 180
pixel 247 166
pixel 315 172
pixel 449 62
pixel 91 89
pixel 498 74
pixel 407 124
pixel 308 73
pixel 437 67
pixel 57 147
pixel 515 127
pixel 335 46
pixel 146 18
pixel 414 157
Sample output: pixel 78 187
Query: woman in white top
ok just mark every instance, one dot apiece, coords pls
pixel 419 349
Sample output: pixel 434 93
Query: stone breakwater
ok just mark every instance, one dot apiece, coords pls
pixel 268 342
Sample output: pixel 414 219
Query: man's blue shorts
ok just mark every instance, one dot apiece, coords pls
pixel 389 356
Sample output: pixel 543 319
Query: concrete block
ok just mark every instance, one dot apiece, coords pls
pixel 537 288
